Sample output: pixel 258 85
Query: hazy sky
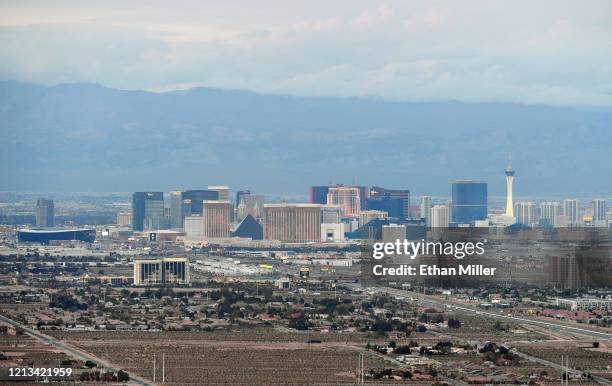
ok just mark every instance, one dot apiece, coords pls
pixel 550 52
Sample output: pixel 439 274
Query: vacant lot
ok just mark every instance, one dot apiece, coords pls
pixel 247 356
pixel 595 361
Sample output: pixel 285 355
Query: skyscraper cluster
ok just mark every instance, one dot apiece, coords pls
pixel 337 212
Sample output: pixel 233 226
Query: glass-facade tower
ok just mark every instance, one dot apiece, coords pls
pixel 469 202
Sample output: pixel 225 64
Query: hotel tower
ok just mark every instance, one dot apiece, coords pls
pixel 509 178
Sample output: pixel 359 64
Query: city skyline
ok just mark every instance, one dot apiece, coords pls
pixel 330 193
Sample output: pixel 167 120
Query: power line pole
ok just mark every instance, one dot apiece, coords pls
pixel 359 368
pixel 164 367
pixel 362 360
pixel 153 367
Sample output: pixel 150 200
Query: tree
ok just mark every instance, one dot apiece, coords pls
pixel 122 376
pixel 454 323
pixel 90 364
pixel 300 323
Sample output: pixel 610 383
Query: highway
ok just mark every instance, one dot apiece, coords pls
pixel 557 366
pixel 432 301
pixel 530 358
pixel 73 351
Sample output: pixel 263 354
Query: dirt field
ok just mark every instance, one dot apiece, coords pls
pixel 261 356
pixel 596 361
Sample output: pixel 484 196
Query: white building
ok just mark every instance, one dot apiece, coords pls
pixel 194 228
pixel 425 209
pixel 332 232
pixel 222 190
pixel 526 213
pixel 585 304
pixel 439 216
pixel 571 211
pixel 549 211
pixel 169 270
pixel 600 215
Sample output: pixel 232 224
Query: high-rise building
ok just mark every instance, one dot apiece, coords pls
pixel 571 211
pixel 292 223
pixel 469 201
pixel 45 213
pixel 217 216
pixel 169 270
pixel 549 213
pixel 526 213
pixel 222 191
pixel 365 216
pixel 347 197
pixel 196 199
pixel 331 214
pixel 425 209
pixel 240 194
pixel 194 227
pixel 403 195
pixel 147 210
pixel 176 209
pixel 600 212
pixel 124 219
pixel 154 215
pixel 439 216
pixel 364 196
pixel 393 206
pixel 318 194
pixel 509 181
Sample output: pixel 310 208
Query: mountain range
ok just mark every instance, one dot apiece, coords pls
pixel 86 137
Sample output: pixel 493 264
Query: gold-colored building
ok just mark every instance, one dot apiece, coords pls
pixel 292 223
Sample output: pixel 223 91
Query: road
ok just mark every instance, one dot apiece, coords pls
pixel 432 301
pixel 556 366
pixel 73 351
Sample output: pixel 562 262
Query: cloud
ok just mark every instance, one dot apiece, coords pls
pixel 483 51
pixel 373 17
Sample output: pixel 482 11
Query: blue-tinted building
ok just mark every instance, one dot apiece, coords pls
pixel 196 200
pixel 469 202
pixel 249 228
pixel 393 206
pixel 369 231
pixel 149 206
pixel 391 196
pixel 318 194
pixel 45 235
pixel 240 194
